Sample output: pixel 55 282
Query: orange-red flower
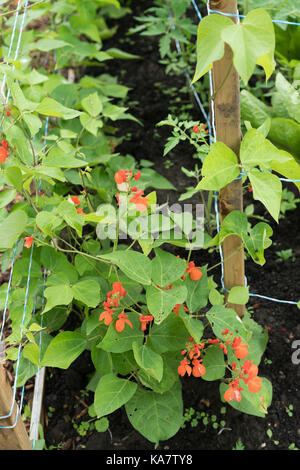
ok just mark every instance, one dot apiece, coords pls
pixel 4 144
pixel 177 307
pixel 122 176
pixel 121 322
pixel 28 242
pixel 137 175
pixel 198 369
pixel 116 294
pixel 140 202
pixel 240 349
pixel 233 392
pixel 8 113
pixel 80 211
pixel 106 316
pixel 3 154
pixel 184 368
pixel 144 319
pixel 194 272
pixel 253 382
pixel 76 200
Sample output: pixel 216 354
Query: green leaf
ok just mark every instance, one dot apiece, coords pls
pixel 88 292
pixel 48 222
pixel 68 212
pixel 112 393
pixel 166 268
pixel 253 110
pixel 168 335
pixel 11 228
pixel 193 325
pixel 214 363
pixel 222 318
pixel 92 104
pixel 258 341
pixel 50 107
pixel 58 158
pixel 33 122
pixel 49 44
pixel 197 292
pixel 220 167
pixel 148 360
pixel 64 349
pixel 58 295
pixel 156 416
pixel 101 425
pixel 167 381
pixel 238 295
pixel 102 360
pixel 256 150
pixel 267 188
pixel 290 96
pixel 160 302
pixel 236 223
pixel 135 265
pixel 286 134
pixel 209 39
pixel 7 196
pixel 14 176
pixel 252 41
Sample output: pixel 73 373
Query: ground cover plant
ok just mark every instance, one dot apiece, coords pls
pixel 103 270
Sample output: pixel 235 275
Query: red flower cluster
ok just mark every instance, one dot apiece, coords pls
pixel 113 300
pixel 196 128
pixel 75 200
pixel 192 352
pixel 252 381
pixel 124 177
pixel 3 151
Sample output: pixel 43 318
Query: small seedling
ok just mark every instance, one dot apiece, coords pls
pixel 284 255
pixel 239 445
pixel 292 446
pixel 289 410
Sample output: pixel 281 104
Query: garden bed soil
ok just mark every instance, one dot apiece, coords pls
pixel 64 401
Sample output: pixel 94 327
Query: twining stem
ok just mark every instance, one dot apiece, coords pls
pixel 228 257
pixel 212 97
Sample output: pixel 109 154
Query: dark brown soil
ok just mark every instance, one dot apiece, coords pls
pixel 275 279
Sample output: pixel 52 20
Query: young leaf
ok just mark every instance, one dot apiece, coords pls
pixel 220 167
pixel 135 265
pixel 148 360
pixel 112 393
pixel 64 349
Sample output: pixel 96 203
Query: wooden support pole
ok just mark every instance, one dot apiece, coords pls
pixel 37 404
pixel 226 85
pixel 15 438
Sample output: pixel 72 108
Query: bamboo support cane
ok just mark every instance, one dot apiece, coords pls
pixel 228 131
